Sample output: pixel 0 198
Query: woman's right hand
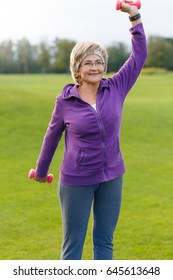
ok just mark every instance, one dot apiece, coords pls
pixel 40 179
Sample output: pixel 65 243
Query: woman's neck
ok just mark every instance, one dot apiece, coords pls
pixel 88 92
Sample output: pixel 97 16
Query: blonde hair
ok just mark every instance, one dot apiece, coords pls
pixel 80 51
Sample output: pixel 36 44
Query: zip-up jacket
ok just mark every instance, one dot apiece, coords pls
pixel 92 137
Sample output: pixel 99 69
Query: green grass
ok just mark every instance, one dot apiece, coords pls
pixel 30 214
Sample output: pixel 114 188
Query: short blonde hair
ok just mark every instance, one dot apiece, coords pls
pixel 80 51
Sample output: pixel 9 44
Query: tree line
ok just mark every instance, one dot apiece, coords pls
pixel 24 57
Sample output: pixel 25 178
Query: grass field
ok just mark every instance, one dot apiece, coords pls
pixel 30 216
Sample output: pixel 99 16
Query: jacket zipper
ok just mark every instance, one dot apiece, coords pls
pixel 102 133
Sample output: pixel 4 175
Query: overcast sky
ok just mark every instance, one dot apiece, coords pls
pixel 80 20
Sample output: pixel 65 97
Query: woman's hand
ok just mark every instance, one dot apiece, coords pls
pixel 126 8
pixel 40 179
pixel 48 178
pixel 131 10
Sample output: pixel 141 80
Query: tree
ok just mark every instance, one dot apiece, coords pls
pixel 23 57
pixel 25 54
pixel 117 53
pixel 44 57
pixel 62 50
pixel 7 57
pixel 160 53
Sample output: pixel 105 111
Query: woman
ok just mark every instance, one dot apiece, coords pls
pixel 92 170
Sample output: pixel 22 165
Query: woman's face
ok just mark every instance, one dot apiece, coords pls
pixel 91 69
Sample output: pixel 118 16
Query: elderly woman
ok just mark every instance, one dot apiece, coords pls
pixel 90 113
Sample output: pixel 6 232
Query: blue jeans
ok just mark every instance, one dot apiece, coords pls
pixel 76 203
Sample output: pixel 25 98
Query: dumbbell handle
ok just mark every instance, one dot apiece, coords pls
pixel 31 175
pixel 136 3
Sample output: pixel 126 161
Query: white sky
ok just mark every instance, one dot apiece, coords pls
pixel 80 20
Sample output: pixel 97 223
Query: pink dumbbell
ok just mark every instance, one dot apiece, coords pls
pixel 31 175
pixel 136 3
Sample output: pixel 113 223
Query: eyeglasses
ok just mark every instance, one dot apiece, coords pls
pixel 90 64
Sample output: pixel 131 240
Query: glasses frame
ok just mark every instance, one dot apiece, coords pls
pixel 89 64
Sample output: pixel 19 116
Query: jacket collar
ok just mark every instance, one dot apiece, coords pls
pixel 70 90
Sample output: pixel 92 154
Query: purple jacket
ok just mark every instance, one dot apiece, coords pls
pixel 92 138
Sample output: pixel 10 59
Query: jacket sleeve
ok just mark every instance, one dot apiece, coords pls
pixel 51 139
pixel 129 72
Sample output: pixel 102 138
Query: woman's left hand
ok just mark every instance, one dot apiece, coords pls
pixel 127 8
